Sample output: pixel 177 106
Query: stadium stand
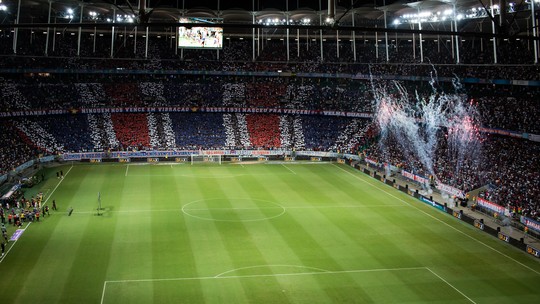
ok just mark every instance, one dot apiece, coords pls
pixel 197 80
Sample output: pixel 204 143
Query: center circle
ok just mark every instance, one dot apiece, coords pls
pixel 233 209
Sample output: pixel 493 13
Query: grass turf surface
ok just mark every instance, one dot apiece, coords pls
pixel 263 233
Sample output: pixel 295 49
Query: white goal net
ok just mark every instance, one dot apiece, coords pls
pixel 205 159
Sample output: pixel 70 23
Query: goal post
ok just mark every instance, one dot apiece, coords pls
pixel 206 159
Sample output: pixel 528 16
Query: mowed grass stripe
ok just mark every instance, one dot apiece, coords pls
pixel 55 260
pixel 131 253
pixel 59 256
pixel 94 250
pixel 470 256
pixel 343 242
pixel 34 260
pixel 240 243
pixel 371 286
pixel 297 233
pixel 213 248
pixel 274 243
pixel 170 248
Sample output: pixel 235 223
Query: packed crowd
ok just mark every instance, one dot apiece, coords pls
pixel 264 130
pixel 513 176
pixel 495 103
pixel 14 149
pixel 131 130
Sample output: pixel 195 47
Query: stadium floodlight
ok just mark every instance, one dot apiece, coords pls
pixel 3 8
pixel 69 13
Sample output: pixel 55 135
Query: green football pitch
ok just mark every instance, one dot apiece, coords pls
pixel 252 233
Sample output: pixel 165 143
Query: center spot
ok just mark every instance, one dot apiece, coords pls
pixel 233 209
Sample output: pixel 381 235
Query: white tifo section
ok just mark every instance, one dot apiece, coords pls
pixel 285 132
pixel 168 133
pixel 39 136
pixel 102 131
pixel 230 140
pixel 160 130
pixel 95 134
pixel 298 131
pixel 153 132
pixel 292 133
pixel 243 130
pixel 109 131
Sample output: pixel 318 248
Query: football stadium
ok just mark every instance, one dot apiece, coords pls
pixel 263 151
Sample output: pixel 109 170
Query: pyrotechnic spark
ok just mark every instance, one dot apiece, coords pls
pixel 423 125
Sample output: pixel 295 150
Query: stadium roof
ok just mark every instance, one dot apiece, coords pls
pixel 269 12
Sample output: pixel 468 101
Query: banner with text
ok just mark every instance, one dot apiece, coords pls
pixel 450 190
pixel 532 224
pixel 491 206
pixel 414 177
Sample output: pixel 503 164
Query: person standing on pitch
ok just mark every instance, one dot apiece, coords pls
pixel 54 205
pixel 3 248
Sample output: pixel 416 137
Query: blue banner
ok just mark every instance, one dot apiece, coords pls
pixel 432 203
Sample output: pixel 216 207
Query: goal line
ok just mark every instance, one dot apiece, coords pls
pixel 206 159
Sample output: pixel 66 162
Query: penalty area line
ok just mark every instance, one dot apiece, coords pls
pixel 127 168
pixel 317 272
pixel 221 276
pixel 103 292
